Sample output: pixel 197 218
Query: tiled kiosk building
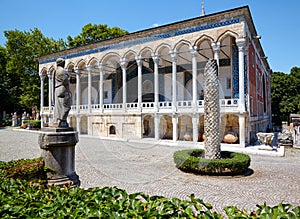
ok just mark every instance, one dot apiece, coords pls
pixel 149 84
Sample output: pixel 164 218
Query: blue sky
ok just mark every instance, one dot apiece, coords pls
pixel 276 21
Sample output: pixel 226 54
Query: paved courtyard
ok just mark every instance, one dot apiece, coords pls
pixel 149 168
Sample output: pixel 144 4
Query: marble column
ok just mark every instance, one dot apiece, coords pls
pixel 174 82
pixel 195 121
pixel 241 43
pixel 89 69
pixel 101 86
pixel 216 49
pixel 156 126
pixel 78 93
pixel 139 61
pixel 242 126
pixel 50 88
pixel 123 63
pixel 156 59
pixel 175 127
pixel 42 77
pixel 193 51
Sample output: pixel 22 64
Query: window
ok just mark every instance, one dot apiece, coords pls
pixel 112 130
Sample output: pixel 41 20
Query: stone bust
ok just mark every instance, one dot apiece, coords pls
pixel 62 99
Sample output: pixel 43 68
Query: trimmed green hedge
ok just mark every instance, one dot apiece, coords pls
pixel 34 123
pixel 191 160
pixel 29 169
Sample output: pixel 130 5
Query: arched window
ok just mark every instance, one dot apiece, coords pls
pixel 112 130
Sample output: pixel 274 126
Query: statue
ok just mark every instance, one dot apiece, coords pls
pixel 62 100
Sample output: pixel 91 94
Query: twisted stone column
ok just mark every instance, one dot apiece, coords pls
pixel 212 144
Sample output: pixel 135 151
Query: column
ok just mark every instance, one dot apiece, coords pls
pixel 216 49
pixel 195 121
pixel 50 88
pixel 78 123
pixel 89 69
pixel 42 77
pixel 241 43
pixel 175 127
pixel 101 86
pixel 174 82
pixel 139 61
pixel 123 66
pixel 156 84
pixel 193 51
pixel 156 126
pixel 242 130
pixel 78 93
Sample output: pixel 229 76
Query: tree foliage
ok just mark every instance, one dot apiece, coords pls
pixel 285 93
pixel 94 32
pixel 23 49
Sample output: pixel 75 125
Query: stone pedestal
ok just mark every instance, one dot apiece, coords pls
pixel 58 152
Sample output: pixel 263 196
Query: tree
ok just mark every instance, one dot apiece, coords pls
pixel 23 50
pixel 285 93
pixel 94 32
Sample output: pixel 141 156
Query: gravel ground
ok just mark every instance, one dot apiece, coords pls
pixel 149 168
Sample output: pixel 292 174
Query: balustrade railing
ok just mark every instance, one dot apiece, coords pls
pixel 185 103
pixel 95 106
pixel 83 107
pixel 148 105
pixel 229 102
pixel 165 104
pixel 131 105
pixel 113 106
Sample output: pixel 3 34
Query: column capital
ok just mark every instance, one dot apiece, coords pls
pixel 49 74
pixel 139 60
pixel 241 43
pixel 156 58
pixel 42 76
pixel 173 55
pixel 123 63
pixel 216 46
pixel 101 66
pixel 89 68
pixel 194 50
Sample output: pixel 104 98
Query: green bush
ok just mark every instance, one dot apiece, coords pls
pixel 36 124
pixel 192 160
pixel 30 169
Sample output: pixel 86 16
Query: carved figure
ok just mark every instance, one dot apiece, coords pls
pixel 62 100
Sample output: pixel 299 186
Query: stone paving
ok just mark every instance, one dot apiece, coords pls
pixel 149 168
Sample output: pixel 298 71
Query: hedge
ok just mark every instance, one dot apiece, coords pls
pixel 34 123
pixel 192 160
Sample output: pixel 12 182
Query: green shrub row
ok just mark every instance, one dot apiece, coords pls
pixel 33 123
pixel 34 199
pixel 192 160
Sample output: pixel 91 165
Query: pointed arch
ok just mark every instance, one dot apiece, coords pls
pixel 181 43
pixel 70 66
pixel 203 38
pixel 93 61
pixel 162 47
pixel 81 63
pixel 110 55
pixel 145 51
pixel 226 34
pixel 44 71
pixel 130 55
